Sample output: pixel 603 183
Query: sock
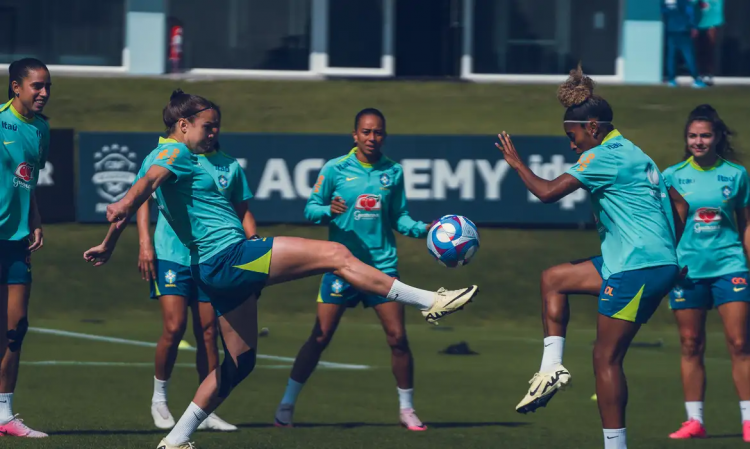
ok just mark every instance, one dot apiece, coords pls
pixel 615 439
pixel 6 407
pixel 160 390
pixel 405 294
pixel 405 398
pixel 190 420
pixel 553 353
pixel 292 391
pixel 694 410
pixel 745 409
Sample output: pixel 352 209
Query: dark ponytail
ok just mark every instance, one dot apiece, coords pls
pixel 19 70
pixel 365 112
pixel 184 106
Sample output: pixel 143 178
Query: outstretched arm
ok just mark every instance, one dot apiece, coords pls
pixel 546 191
pixel 120 212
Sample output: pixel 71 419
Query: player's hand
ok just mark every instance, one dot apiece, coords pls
pixel 683 272
pixel 509 151
pixel 430 225
pixel 118 213
pixel 36 239
pixel 98 255
pixel 146 259
pixel 338 206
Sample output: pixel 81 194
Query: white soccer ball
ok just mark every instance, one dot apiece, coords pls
pixel 453 240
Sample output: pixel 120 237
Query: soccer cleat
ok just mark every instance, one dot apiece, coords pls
pixel 692 428
pixel 213 422
pixel 410 420
pixel 284 414
pixel 163 419
pixel 543 387
pixel 449 301
pixel 163 444
pixel 746 431
pixel 16 428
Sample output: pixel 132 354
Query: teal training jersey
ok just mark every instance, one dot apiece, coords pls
pixel 234 188
pixel 193 202
pixel 711 245
pixel 25 145
pixel 628 194
pixel 710 13
pixel 376 204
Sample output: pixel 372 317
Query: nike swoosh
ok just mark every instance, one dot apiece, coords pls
pixel 351 179
pixel 611 438
pixel 739 289
pixel 8 143
pixel 459 296
pixel 547 345
pixel 687 193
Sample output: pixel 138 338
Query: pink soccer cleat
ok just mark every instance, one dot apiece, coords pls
pixel 411 421
pixel 692 429
pixel 746 431
pixel 16 428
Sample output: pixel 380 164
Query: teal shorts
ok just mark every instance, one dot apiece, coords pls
pixel 334 290
pixel 236 273
pixel 175 279
pixel 15 262
pixel 710 292
pixel 636 294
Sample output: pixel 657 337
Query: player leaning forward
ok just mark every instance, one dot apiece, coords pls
pixel 231 269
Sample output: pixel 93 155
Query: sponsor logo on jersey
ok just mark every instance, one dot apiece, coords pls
pixel 367 207
pixel 10 126
pixel 24 174
pixel 707 219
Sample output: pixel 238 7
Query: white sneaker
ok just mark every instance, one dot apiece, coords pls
pixel 162 418
pixel 164 445
pixel 543 387
pixel 284 414
pixel 449 301
pixel 213 422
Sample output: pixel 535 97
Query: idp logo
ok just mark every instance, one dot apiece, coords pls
pixel 368 202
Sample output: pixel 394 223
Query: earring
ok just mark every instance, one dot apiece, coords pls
pixel 17 94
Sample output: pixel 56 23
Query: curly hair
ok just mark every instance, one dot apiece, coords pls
pixel 576 94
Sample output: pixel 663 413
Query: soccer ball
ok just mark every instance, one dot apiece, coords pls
pixel 453 240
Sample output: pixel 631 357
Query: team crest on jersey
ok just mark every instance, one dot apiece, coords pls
pixel 170 276
pixel 337 286
pixel 223 182
pixel 385 180
pixel 726 191
pixel 24 174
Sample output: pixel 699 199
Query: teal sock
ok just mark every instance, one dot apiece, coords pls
pixel 292 391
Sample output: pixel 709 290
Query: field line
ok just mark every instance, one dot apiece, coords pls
pixel 148 344
pixel 125 364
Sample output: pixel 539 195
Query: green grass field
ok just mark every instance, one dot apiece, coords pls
pixel 466 400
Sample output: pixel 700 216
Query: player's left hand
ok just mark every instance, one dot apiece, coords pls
pixel 98 255
pixel 509 151
pixel 36 240
pixel 118 214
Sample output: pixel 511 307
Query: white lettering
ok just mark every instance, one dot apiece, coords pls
pixel 275 178
pixel 412 178
pixel 45 175
pixel 492 177
pixel 302 175
pixel 443 179
pixel 549 171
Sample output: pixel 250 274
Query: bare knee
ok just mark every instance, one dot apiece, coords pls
pixel 605 357
pixel 339 255
pixel 174 329
pixel 692 343
pixel 320 339
pixel 738 346
pixel 396 339
pixel 551 281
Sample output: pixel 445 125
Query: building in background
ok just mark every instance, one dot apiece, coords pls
pixel 620 41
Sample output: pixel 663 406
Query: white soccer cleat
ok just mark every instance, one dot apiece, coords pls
pixel 449 301
pixel 213 422
pixel 163 444
pixel 543 387
pixel 284 415
pixel 163 419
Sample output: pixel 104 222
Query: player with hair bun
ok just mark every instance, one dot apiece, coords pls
pixel 634 212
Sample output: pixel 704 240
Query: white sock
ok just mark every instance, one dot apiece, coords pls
pixel 694 410
pixel 6 407
pixel 405 294
pixel 615 439
pixel 160 390
pixel 292 391
pixel 553 353
pixel 745 409
pixel 190 420
pixel 405 398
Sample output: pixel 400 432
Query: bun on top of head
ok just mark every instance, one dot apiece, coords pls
pixel 576 89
